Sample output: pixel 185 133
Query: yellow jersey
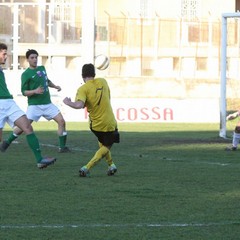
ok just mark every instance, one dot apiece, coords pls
pixel 96 96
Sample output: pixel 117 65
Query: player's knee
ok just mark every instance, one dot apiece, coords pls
pixel 61 122
pixel 237 129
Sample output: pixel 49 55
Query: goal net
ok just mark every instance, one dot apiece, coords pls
pixel 230 72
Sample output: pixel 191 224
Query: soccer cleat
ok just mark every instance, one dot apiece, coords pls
pixel 4 146
pixel 231 148
pixel 64 150
pixel 46 162
pixel 111 170
pixel 84 172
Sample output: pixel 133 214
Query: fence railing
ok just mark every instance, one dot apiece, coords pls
pixel 156 47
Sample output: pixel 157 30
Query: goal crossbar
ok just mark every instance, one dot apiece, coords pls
pixel 223 65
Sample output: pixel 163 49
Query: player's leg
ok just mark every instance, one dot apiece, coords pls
pixel 62 133
pixel 112 137
pixel 13 136
pixel 105 139
pixel 236 138
pixel 100 153
pixel 24 124
pixel 108 156
pixel 103 151
pixel 52 112
pixel 0 134
pixel 2 123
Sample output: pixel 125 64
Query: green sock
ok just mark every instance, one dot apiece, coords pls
pixel 34 145
pixel 62 141
pixel 11 138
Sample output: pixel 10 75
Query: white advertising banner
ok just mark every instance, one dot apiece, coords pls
pixel 146 110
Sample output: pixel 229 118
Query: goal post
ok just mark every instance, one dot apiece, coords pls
pixel 223 66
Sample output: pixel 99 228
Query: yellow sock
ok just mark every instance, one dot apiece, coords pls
pixel 108 156
pixel 102 151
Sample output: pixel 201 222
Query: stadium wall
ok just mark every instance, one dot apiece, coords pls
pixel 136 99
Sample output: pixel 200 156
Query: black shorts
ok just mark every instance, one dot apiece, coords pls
pixel 107 138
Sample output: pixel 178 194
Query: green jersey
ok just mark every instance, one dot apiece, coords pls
pixel 96 96
pixel 32 79
pixel 4 93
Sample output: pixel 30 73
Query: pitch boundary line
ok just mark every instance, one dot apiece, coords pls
pixel 134 154
pixel 148 225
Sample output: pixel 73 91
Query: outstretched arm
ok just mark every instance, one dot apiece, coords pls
pixel 75 105
pixel 52 85
pixel 232 116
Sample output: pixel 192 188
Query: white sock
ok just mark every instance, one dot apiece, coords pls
pixel 236 138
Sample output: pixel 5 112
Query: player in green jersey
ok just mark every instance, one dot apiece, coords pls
pixel 11 113
pixel 95 96
pixel 35 85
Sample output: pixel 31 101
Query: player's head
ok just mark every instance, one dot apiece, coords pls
pixel 88 71
pixel 32 58
pixel 3 53
pixel 3 46
pixel 31 51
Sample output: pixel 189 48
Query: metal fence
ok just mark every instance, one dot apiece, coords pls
pixel 169 48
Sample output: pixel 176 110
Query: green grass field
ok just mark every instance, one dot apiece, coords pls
pixel 174 181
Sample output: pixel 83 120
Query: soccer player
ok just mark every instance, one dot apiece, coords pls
pixel 95 96
pixel 14 116
pixel 236 133
pixel 35 85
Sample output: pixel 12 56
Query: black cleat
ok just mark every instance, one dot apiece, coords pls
pixel 4 146
pixel 231 148
pixel 45 162
pixel 64 150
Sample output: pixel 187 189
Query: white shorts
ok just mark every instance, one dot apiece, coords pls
pixel 48 111
pixel 9 112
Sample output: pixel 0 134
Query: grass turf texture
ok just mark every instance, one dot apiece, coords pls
pixel 174 181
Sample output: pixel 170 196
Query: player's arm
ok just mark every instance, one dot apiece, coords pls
pixel 233 115
pixel 52 85
pixel 75 105
pixel 29 93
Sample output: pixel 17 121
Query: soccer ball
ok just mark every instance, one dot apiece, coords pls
pixel 101 62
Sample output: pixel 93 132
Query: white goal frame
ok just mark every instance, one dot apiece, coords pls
pixel 223 85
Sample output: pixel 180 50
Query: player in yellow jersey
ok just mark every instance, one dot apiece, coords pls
pixel 95 96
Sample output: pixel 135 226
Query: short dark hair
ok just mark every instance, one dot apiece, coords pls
pixel 3 46
pixel 31 51
pixel 88 70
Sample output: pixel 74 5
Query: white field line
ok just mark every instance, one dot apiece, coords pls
pixel 74 149
pixel 203 162
pixel 148 225
pixel 78 149
pixel 54 146
pixel 216 163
